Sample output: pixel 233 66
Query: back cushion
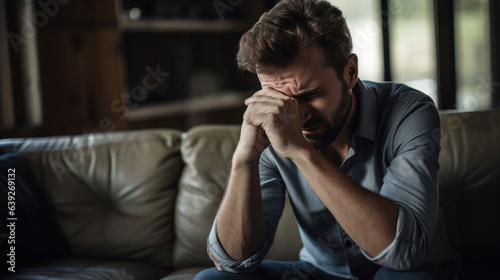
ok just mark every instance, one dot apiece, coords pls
pixel 111 194
pixel 469 178
pixel 207 152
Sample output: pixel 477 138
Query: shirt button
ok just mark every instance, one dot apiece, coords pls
pixel 348 243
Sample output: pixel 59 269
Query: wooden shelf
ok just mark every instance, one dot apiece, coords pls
pixel 213 103
pixel 189 46
pixel 158 25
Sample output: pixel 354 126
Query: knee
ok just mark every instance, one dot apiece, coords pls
pixel 427 271
pixel 207 274
pixel 385 273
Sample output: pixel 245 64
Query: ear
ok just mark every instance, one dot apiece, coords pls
pixel 351 71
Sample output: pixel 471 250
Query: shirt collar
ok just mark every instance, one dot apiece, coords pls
pixel 367 111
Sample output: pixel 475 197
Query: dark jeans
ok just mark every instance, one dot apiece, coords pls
pixel 298 270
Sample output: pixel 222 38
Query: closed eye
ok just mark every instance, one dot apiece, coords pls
pixel 307 96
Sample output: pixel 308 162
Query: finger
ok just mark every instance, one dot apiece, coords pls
pixel 270 91
pixel 264 99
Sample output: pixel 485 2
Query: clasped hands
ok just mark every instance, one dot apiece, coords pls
pixel 271 117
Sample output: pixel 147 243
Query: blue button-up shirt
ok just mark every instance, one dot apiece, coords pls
pixel 393 152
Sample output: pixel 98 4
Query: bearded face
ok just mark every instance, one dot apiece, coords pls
pixel 324 130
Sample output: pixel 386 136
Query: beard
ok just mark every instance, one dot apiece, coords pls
pixel 329 130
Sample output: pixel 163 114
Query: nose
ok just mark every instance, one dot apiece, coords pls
pixel 305 112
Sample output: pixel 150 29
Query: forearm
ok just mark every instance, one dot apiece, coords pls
pixel 369 218
pixel 240 221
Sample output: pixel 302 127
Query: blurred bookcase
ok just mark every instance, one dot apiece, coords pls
pixel 179 60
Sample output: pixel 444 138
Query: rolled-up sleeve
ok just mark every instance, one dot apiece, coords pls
pixel 411 182
pixel 273 200
pixel 225 263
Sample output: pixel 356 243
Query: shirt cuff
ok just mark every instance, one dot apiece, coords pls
pixel 225 263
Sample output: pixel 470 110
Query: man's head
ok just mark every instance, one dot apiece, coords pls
pixel 302 48
pixel 290 26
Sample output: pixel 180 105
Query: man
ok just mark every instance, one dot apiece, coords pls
pixel 359 161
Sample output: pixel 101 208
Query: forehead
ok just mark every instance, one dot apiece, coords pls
pixel 306 70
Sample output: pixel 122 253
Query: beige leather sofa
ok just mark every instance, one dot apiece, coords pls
pixel 139 204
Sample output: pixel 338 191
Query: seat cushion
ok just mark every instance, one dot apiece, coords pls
pixel 112 194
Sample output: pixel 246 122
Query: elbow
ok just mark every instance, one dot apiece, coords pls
pixel 379 247
pixel 228 264
pixel 408 251
pixel 243 251
pixel 240 255
pixel 403 259
pixel 239 259
pixel 402 255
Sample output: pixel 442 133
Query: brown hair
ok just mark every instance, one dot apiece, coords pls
pixel 290 26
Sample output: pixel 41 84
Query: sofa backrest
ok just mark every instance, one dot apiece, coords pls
pixel 469 181
pixel 111 194
pixel 123 195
